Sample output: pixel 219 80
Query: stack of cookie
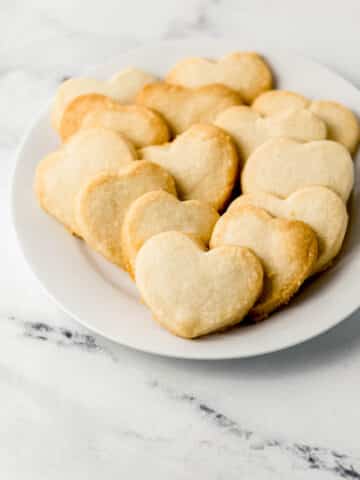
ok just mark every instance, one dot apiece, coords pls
pixel 219 195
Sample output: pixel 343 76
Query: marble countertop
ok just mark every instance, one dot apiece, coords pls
pixel 76 406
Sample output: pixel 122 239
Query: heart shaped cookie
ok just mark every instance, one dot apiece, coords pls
pixel 101 204
pixel 122 86
pixel 282 165
pixel 342 125
pixel 244 72
pixel 249 129
pixel 287 249
pixel 157 212
pixel 181 107
pixel 139 124
pixel 60 175
pixel 203 161
pixel 320 208
pixel 191 291
pixel 275 101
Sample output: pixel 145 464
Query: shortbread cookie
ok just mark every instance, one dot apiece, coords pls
pixel 182 107
pixel 203 161
pixel 61 174
pixel 320 208
pixel 245 72
pixel 101 204
pixel 342 125
pixel 122 86
pixel 157 212
pixel 139 124
pixel 249 129
pixel 192 292
pixel 282 165
pixel 275 101
pixel 287 249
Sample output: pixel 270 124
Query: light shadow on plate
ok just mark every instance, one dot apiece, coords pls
pixel 110 273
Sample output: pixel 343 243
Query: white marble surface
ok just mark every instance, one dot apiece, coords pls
pixel 78 407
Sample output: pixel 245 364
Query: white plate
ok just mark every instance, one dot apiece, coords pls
pixel 103 298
